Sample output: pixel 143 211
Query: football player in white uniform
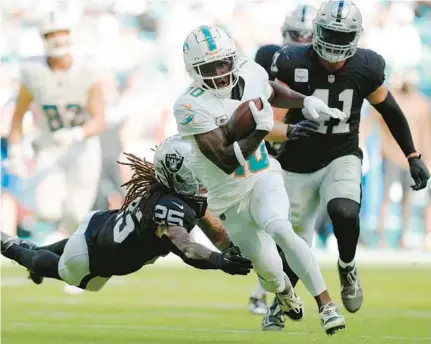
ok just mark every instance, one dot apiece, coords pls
pixel 245 186
pixel 71 106
pixel 296 30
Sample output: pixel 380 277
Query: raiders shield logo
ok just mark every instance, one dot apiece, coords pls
pixel 331 78
pixel 173 162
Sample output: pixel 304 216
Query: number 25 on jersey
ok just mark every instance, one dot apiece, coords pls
pixel 257 162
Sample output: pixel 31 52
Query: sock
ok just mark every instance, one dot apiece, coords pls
pixel 259 292
pixel 298 253
pixel 42 262
pixel 286 268
pixel 344 214
pixel 345 265
pixel 57 247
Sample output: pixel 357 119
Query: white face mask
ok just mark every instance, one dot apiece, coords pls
pixel 58 45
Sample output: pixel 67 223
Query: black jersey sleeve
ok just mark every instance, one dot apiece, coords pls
pixel 374 65
pixel 282 65
pixel 173 211
pixel 264 57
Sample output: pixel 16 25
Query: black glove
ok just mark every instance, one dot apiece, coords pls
pixel 419 173
pixel 304 128
pixel 231 262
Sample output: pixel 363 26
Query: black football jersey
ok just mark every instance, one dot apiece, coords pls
pixel 121 242
pixel 264 57
pixel 344 89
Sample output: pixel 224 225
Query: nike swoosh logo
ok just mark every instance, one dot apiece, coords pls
pixel 179 206
pixel 187 106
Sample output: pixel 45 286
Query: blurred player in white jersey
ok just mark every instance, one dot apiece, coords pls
pixel 245 186
pixel 296 30
pixel 71 107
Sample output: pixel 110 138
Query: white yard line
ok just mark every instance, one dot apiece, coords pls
pixel 182 329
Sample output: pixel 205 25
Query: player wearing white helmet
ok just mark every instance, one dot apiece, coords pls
pixel 245 187
pixel 71 115
pixel 163 204
pixel 296 30
pixel 322 173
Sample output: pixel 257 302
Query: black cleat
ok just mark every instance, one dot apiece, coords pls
pixel 37 279
pixel 7 241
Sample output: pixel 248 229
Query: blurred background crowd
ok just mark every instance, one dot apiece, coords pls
pixel 139 46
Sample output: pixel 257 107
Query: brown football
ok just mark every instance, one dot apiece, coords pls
pixel 241 124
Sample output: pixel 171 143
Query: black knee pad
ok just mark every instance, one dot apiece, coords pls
pixel 343 210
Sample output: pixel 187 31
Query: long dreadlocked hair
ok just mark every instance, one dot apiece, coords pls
pixel 142 184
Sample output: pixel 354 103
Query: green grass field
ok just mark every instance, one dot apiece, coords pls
pixel 168 305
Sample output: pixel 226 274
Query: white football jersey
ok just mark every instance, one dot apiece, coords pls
pixel 198 111
pixel 61 96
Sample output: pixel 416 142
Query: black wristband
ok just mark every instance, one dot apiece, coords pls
pixel 397 123
pixel 216 259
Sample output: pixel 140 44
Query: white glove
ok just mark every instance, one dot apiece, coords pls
pixel 264 118
pixel 15 162
pixel 316 108
pixel 66 137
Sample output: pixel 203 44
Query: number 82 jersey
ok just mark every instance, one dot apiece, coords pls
pixel 61 96
pixel 345 89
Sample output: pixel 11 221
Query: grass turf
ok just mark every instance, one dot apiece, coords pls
pixel 183 305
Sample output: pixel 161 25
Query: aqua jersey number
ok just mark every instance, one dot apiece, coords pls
pixel 257 162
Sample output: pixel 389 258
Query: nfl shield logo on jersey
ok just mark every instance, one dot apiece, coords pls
pixel 174 162
pixel 331 78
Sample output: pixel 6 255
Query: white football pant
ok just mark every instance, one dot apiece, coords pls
pixel 66 182
pixel 261 221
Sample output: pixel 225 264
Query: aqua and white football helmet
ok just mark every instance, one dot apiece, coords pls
pixel 297 28
pixel 211 60
pixel 172 168
pixel 337 28
pixel 59 44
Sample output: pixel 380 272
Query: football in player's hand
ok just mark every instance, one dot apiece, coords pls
pixel 241 124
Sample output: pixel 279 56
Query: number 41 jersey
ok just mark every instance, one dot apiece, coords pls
pixel 345 89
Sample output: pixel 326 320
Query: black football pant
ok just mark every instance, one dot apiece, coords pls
pixel 42 261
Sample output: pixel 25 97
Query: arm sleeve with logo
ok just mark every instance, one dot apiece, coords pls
pixel 173 211
pixel 193 119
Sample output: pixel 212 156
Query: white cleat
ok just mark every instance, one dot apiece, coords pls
pixel 331 319
pixel 257 305
pixel 72 290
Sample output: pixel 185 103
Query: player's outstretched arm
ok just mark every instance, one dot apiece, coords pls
pixel 214 230
pixel 284 97
pixel 384 102
pixel 201 257
pixel 215 146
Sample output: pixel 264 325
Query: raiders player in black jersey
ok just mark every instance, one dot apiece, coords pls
pixel 297 30
pixel 162 205
pixel 323 172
